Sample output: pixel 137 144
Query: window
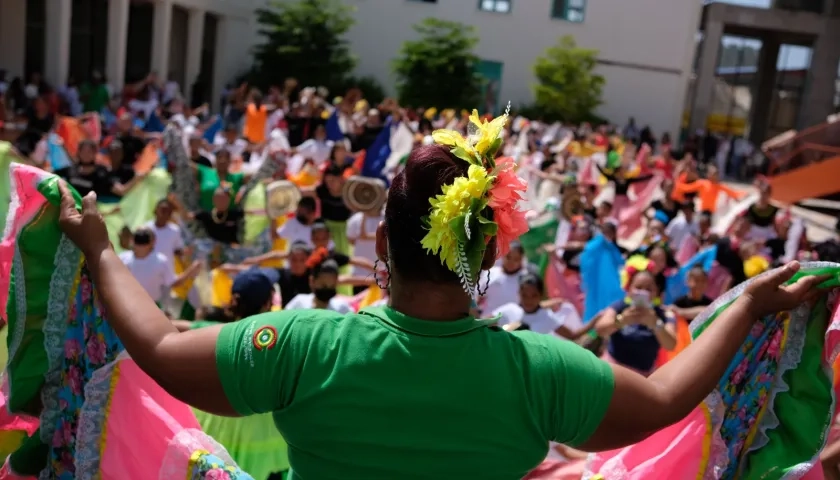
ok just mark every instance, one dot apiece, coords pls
pixel 569 10
pixel 500 6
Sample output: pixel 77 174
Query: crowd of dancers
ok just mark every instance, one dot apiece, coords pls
pixel 195 225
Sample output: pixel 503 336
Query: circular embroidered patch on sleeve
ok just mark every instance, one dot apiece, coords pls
pixel 265 338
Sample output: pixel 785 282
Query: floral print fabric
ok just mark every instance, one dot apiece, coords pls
pixel 748 383
pixel 207 466
pixel 89 344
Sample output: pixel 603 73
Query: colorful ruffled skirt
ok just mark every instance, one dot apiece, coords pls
pixel 253 442
pixel 98 415
pixel 771 413
pixel 131 429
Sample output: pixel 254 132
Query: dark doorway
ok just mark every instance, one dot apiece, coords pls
pixel 203 86
pixel 36 36
pixel 139 46
pixel 88 38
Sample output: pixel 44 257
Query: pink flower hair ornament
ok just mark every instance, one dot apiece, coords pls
pixel 458 224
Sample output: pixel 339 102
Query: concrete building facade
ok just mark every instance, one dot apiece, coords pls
pixel 814 24
pixel 646 47
pixel 202 43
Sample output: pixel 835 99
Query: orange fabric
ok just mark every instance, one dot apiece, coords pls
pixel 147 159
pixel 304 179
pixel 359 162
pixel 683 340
pixel 71 132
pixel 255 120
pixel 708 192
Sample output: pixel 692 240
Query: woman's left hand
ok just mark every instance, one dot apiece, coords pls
pixel 86 228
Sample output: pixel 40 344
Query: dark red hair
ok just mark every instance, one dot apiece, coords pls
pixel 427 170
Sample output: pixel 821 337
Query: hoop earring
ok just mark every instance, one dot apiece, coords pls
pixel 486 284
pixel 376 276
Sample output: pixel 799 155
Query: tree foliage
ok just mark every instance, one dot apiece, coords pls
pixel 439 68
pixel 568 88
pixel 304 39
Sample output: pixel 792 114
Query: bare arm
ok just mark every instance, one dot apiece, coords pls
pixel 273 255
pixel 362 262
pixel 565 332
pixel 606 324
pixel 689 313
pixel 120 189
pixel 187 274
pixel 356 281
pixel 552 302
pixel 679 386
pixel 184 364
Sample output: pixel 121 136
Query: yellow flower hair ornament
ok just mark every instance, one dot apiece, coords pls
pixel 458 223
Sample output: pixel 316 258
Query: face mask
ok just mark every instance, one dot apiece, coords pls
pixel 324 294
pixel 142 239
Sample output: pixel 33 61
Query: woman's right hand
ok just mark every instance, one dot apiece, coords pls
pixel 769 295
pixel 86 228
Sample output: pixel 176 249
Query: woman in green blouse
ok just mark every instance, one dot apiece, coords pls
pixel 211 178
pixel 418 389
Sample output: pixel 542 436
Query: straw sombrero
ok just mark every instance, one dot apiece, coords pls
pixel 282 197
pixel 364 194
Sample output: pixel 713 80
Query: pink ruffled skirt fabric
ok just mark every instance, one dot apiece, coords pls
pixel 131 429
pixel 557 470
pixel 675 453
pixel 563 283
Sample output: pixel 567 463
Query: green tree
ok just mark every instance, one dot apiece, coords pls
pixel 304 39
pixel 438 69
pixel 568 88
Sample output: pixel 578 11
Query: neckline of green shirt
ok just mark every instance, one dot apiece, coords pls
pixel 426 328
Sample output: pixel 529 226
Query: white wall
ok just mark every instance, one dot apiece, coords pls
pixel 656 34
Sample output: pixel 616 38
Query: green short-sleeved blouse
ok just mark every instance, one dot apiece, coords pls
pixel 209 181
pixel 379 395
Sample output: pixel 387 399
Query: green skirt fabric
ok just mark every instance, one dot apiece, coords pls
pixel 253 442
pixel 338 234
pixel 255 225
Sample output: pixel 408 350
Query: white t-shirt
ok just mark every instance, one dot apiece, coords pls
pixel 501 288
pixel 318 151
pixel 154 272
pixel 363 247
pixel 171 90
pixel 543 321
pixel 679 229
pixel 294 231
pixel 146 108
pixel 236 149
pixel 304 301
pixel 167 239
